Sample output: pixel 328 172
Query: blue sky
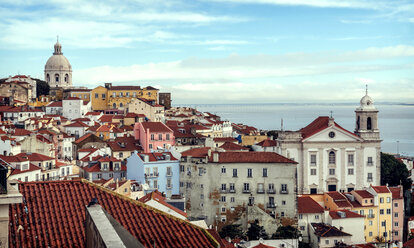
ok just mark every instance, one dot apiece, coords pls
pixel 221 51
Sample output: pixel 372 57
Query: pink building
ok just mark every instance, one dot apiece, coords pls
pixel 397 213
pixel 154 136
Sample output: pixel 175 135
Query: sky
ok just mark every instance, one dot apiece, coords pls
pixel 221 51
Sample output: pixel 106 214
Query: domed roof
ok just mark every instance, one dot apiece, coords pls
pixel 57 61
pixel 366 102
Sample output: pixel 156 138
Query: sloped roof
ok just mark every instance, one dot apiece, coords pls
pixel 34 156
pixel 157 156
pixel 77 124
pixel 84 137
pixel 267 143
pixel 196 152
pixel 55 213
pixel 21 132
pixel 396 192
pixel 55 104
pixel 381 189
pixel 364 193
pixel 348 214
pixel 339 199
pixel 229 146
pixel 156 127
pixel 252 157
pixel 325 230
pixel 31 168
pixel 306 205
pixel 319 124
pixel 158 197
pixel 225 139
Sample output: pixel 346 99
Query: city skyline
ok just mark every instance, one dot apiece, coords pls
pixel 231 50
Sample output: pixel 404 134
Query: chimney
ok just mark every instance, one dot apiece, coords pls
pixel 331 121
pixel 117 183
pixel 216 157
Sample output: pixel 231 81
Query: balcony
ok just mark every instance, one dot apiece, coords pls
pixel 169 174
pixel 260 191
pixel 246 191
pixel 223 191
pixel 232 191
pixel 151 175
pixel 370 163
pixel 370 216
pixel 369 179
pixel 271 191
pixel 271 205
pixel 284 191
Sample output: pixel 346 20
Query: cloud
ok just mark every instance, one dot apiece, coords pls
pixel 237 76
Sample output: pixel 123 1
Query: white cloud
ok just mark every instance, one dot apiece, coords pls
pixel 258 76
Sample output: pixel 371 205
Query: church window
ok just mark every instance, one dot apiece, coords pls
pixel 121 94
pixel 331 134
pixel 370 162
pixel 57 77
pixel 114 105
pixel 357 123
pixel 350 159
pixel 313 159
pixel 332 157
pixel 369 125
pixel 47 77
pixel 121 105
pixel 66 77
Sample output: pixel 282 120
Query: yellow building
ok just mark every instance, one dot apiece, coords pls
pixel 117 97
pixel 81 93
pixel 42 101
pixel 375 204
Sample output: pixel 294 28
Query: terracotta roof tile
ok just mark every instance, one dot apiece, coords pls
pixel 229 146
pixel 347 213
pixel 55 104
pixel 381 189
pixel 34 156
pixel 157 196
pixel 196 152
pixel 157 156
pixel 225 139
pixel 267 143
pixel 156 127
pixel 325 230
pixel 396 192
pixel 364 193
pixel 307 205
pixel 251 157
pixel 319 124
pixel 55 213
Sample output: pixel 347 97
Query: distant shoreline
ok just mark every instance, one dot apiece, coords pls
pixel 288 103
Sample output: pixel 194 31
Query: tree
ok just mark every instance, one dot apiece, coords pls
pixel 255 232
pixel 286 232
pixel 42 88
pixel 394 172
pixel 232 231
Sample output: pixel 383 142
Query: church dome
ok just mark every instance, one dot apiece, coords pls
pixel 366 102
pixel 57 61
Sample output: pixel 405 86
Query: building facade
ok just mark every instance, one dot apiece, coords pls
pixel 218 185
pixel 332 158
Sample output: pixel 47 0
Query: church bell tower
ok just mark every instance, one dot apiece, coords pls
pixel 367 119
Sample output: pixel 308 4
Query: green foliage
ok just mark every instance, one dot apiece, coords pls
pixel 42 88
pixel 286 232
pixel 394 172
pixel 231 231
pixel 255 232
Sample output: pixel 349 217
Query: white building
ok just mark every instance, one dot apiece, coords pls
pixel 332 158
pixel 74 108
pixel 58 71
pixel 78 129
pixel 27 79
pixel 54 108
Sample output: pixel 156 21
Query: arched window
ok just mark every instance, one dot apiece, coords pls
pixel 57 78
pixel 332 158
pixel 47 78
pixel 66 78
pixel 357 123
pixel 369 125
pixel 114 105
pixel 121 105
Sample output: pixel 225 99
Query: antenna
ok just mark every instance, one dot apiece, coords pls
pixel 281 124
pixel 331 113
pixel 57 38
pixel 366 89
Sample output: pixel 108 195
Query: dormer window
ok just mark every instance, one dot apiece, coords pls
pixel 105 166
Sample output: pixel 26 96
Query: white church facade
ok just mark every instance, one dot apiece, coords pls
pixel 331 158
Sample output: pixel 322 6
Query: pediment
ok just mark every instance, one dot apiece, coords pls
pixel 340 135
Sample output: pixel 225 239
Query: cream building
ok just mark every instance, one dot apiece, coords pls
pixel 331 158
pixel 58 71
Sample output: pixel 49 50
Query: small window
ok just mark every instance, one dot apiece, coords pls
pixel 332 172
pixel 249 173
pixel 223 170
pixel 264 172
pixel 313 159
pixel 332 158
pixel 350 171
pixel 313 172
pixel 96 95
pixel 331 135
pixel 234 172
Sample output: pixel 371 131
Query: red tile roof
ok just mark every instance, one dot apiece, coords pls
pixel 106 118
pixel 53 215
pixel 396 192
pixel 157 156
pixel 77 124
pixel 31 168
pixel 196 152
pixel 339 199
pixel 93 113
pixel 72 98
pixel 158 197
pixel 348 214
pixel 157 127
pixel 364 193
pixel 34 157
pixel 381 189
pixel 55 104
pixel 251 157
pixel 125 87
pixel 319 124
pixel 84 137
pixel 267 143
pixel 229 146
pixel 307 205
pixel 21 132
pixel 325 230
